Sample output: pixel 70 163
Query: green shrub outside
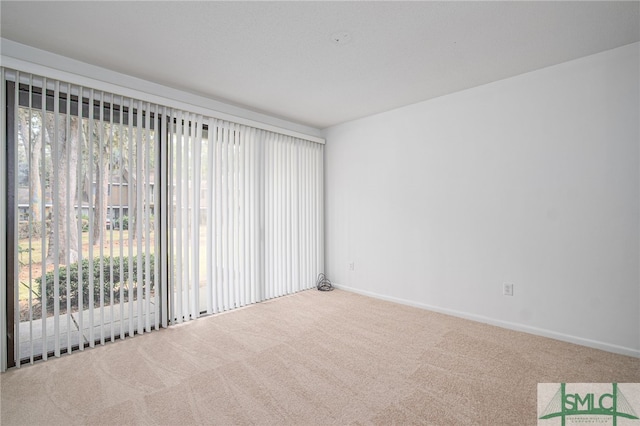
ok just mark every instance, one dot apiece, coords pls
pixel 116 279
pixel 123 223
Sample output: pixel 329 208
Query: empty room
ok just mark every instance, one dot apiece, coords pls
pixel 314 213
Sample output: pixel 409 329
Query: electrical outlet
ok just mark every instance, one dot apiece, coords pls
pixel 507 289
pixel 352 266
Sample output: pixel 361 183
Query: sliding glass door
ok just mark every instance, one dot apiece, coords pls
pixel 125 216
pixel 83 212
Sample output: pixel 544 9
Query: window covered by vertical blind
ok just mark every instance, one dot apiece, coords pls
pixel 126 215
pixel 246 215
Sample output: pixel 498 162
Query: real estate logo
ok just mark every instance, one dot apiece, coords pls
pixel 563 404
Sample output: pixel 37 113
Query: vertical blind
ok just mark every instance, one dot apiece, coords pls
pixel 131 215
pixel 246 216
pixel 83 238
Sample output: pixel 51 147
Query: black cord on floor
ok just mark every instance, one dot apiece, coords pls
pixel 323 283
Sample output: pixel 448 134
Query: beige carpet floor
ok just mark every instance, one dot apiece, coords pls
pixel 310 358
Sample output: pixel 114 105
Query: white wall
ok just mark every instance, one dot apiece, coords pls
pixel 533 180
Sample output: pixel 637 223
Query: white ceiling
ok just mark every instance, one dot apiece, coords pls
pixel 278 57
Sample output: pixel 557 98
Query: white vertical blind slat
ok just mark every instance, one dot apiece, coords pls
pixel 171 219
pixel 286 217
pixel 55 146
pixel 234 207
pixel 279 217
pixel 100 171
pixel 111 139
pixel 243 257
pixel 147 219
pixel 258 217
pixel 305 209
pixel 186 246
pixel 31 223
pixel 79 178
pixel 231 215
pixel 210 248
pixel 240 254
pixel 91 299
pixel 225 218
pixel 165 209
pixel 44 282
pixel 265 220
pixel 296 217
pixel 121 174
pixel 140 142
pixel 251 216
pixel 197 174
pixel 15 266
pixel 219 293
pixel 158 213
pixel 69 209
pixel 316 242
pixel 179 230
pixel 131 218
pixel 275 221
pixel 246 216
pixel 186 184
pixel 267 224
pixel 320 191
pixel 276 218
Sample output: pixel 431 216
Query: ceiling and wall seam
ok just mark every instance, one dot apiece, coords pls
pixel 280 59
pixel 36 61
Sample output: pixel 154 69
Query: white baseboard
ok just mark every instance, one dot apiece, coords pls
pixel 504 324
